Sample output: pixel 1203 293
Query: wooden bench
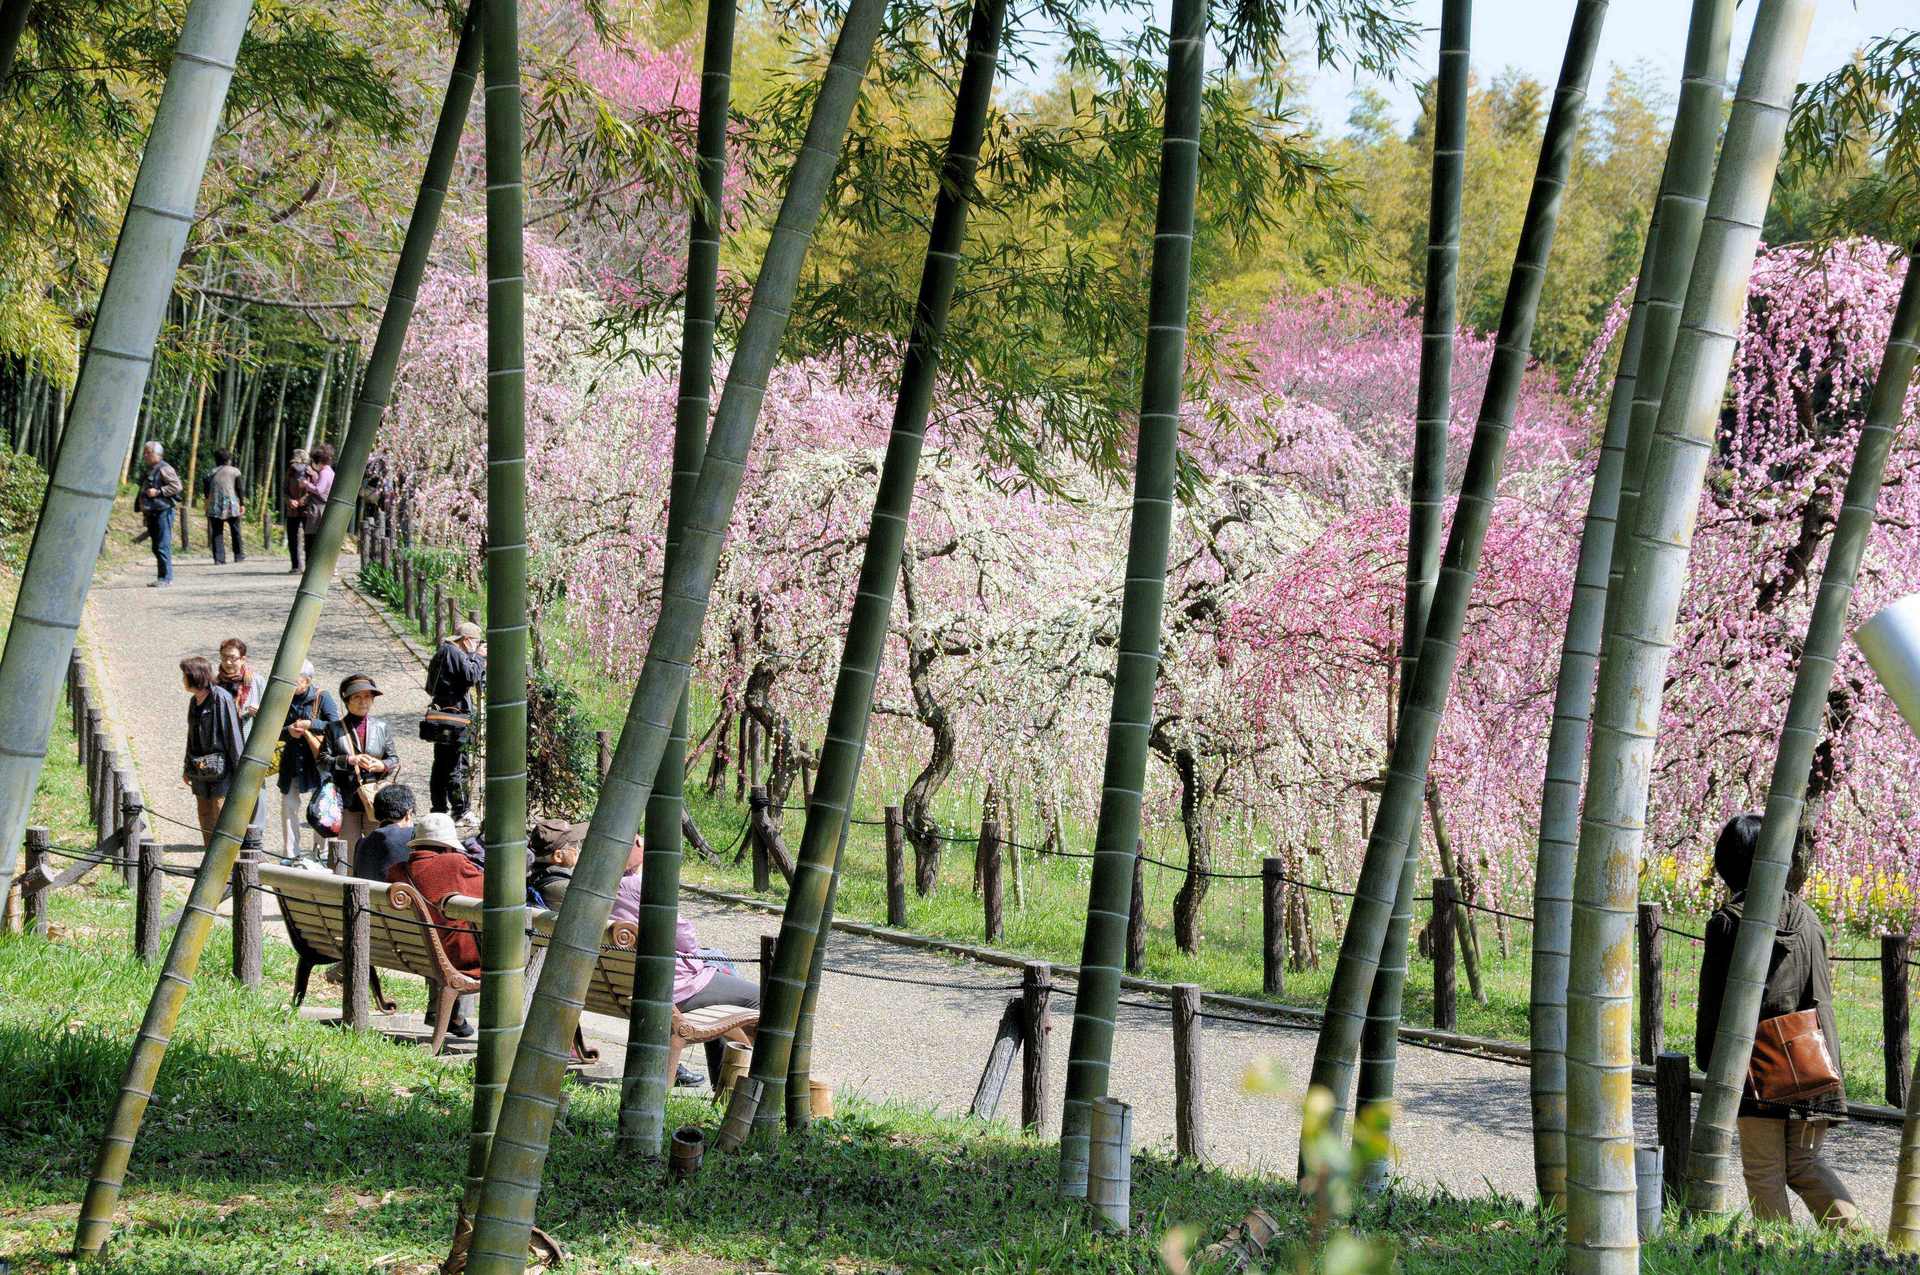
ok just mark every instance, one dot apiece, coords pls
pixel 402 936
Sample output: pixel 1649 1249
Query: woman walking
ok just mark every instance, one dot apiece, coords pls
pixel 295 490
pixel 309 715
pixel 213 743
pixel 361 755
pixel 1780 1142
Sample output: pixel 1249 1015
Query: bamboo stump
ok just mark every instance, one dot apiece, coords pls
pixel 1110 1163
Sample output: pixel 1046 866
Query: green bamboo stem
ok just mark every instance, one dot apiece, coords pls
pixel 644 1082
pixel 1681 212
pixel 1137 658
pixel 1380 1040
pixel 800 1058
pixel 504 1220
pixel 1398 820
pixel 1647 348
pixel 1602 1237
pixel 503 936
pixel 106 402
pixel 1903 1226
pixel 13 21
pixel 189 939
pixel 834 786
pixel 1711 1154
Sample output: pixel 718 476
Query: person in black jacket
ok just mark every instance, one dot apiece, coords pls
pixel 386 847
pixel 360 754
pixel 309 714
pixel 213 743
pixel 459 667
pixel 1779 1143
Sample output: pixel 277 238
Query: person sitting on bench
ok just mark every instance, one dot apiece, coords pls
pixel 388 846
pixel 437 866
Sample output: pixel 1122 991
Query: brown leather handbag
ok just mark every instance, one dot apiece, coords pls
pixel 1792 1059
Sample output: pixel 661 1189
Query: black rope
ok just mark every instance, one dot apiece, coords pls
pixel 921 982
pixel 1697 938
pixel 1481 907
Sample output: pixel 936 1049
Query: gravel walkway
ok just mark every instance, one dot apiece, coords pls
pixel 1465 1125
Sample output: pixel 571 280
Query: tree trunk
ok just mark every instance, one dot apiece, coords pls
pixel 13 21
pixel 1380 1040
pixel 1196 823
pixel 1103 950
pixel 505 1218
pixel 1601 1236
pixel 1425 698
pixel 644 1080
pixel 1646 354
pixel 212 38
pixel 916 808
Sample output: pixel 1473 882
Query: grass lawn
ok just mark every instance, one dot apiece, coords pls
pixel 277 1143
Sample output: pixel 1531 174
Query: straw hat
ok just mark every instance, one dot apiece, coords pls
pixel 435 830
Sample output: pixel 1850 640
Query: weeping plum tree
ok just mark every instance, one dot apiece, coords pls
pixel 106 400
pixel 189 939
pixel 804 922
pixel 1137 656
pixel 1648 344
pixel 643 1084
pixel 525 1127
pixel 1380 1041
pixel 1397 822
pixel 503 953
pixel 1601 1229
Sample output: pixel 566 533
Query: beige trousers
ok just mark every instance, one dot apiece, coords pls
pixel 1778 1154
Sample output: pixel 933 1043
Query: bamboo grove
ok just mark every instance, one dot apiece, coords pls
pixel 1655 445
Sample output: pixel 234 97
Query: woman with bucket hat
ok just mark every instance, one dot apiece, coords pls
pixel 437 866
pixel 361 755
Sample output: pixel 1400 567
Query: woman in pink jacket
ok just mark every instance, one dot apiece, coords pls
pixel 696 983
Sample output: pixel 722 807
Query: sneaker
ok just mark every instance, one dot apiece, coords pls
pixel 460 1028
pixel 158 584
pixel 687 1078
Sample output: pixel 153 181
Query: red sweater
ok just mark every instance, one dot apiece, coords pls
pixel 436 874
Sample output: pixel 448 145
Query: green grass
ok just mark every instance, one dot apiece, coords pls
pixel 277 1143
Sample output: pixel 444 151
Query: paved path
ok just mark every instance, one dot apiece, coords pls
pixel 1465 1125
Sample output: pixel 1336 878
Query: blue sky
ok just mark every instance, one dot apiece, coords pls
pixel 1531 35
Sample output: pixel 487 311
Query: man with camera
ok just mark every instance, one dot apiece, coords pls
pixel 458 669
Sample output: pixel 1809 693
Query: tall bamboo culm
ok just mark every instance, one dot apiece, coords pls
pixel 801 923
pixel 1712 1151
pixel 1398 821
pixel 644 1080
pixel 106 400
pixel 189 939
pixel 1602 1235
pixel 1426 531
pixel 13 22
pixel 525 1127
pixel 1647 345
pixel 1137 667
pixel 1903 1227
pixel 503 938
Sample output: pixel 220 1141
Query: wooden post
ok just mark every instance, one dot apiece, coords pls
pixel 339 858
pixel 146 898
pixel 1137 913
pixel 767 943
pixel 106 809
pixel 421 601
pixel 1444 985
pixel 1673 1099
pixel 990 894
pixel 406 588
pixel 993 1077
pixel 762 862
pixel 453 616
pixel 896 869
pixel 1893 1017
pixel 246 909
pixel 1189 1103
pixel 92 758
pixel 356 1009
pixel 34 904
pixel 81 698
pixel 604 740
pixel 1273 927
pixel 439 615
pixel 1653 999
pixel 1036 984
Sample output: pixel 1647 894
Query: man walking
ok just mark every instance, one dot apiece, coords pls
pixel 159 488
pixel 225 510
pixel 458 668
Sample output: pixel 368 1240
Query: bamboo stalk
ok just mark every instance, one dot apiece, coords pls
pixel 13 21
pixel 804 920
pixel 1425 700
pixel 644 1080
pixel 504 1221
pixel 1709 1163
pixel 1109 897
pixel 189 938
pixel 1647 347
pixel 85 475
pixel 1601 1230
pixel 1380 1040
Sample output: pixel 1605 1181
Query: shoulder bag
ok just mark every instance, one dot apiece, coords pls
pixel 1792 1059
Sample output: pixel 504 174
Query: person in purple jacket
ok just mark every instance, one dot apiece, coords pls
pixel 696 982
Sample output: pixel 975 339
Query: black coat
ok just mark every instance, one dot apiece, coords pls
pixel 213 728
pixel 453 675
pixel 299 768
pixel 1798 977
